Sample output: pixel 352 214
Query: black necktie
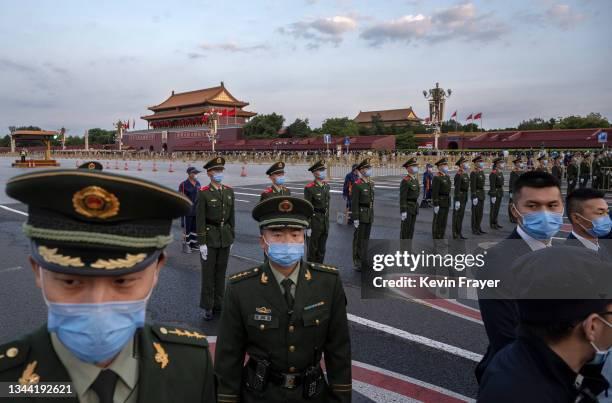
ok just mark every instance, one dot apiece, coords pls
pixel 287 283
pixel 104 385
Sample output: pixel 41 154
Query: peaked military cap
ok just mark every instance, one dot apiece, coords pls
pixel 317 166
pixel 498 159
pixel 276 168
pixel 517 159
pixel 95 223
pixel 215 163
pixel 283 212
pixel 460 161
pixel 442 161
pixel 410 162
pixel 364 164
pixel 478 158
pixel 93 165
pixel 557 157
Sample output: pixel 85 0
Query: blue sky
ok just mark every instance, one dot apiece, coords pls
pixel 83 64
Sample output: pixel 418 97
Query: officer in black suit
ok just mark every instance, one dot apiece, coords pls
pixel 588 212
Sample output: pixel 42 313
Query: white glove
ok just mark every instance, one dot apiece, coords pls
pixel 594 177
pixel 474 202
pixel 308 232
pixel 356 223
pixel 457 205
pixel 493 200
pixel 204 251
pixel 581 179
pixel 404 216
pixel 436 209
pixel 231 246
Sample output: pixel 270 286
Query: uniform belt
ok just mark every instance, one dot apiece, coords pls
pixel 364 204
pixel 412 200
pixel 218 224
pixel 320 210
pixel 284 380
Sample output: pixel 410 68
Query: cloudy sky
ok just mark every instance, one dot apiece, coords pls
pixel 87 63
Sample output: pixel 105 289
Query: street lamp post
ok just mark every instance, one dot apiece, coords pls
pixel 213 121
pixel 436 98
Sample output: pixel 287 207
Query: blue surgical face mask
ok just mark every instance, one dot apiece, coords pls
pixel 481 165
pixel 414 169
pixel 500 166
pixel 544 162
pixel 279 180
pixel 218 177
pixel 466 167
pixel 285 254
pixel 368 172
pixel 322 174
pixel 600 355
pixel 444 169
pixel 95 333
pixel 541 225
pixel 601 226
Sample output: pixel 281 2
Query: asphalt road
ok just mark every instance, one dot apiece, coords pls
pixel 434 346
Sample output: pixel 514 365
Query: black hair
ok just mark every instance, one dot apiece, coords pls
pixel 535 179
pixel 573 202
pixel 552 332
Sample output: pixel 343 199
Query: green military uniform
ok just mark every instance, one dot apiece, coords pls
pixel 556 169
pixel 514 175
pixel 215 223
pixel 572 175
pixel 100 224
pixel 462 187
pixel 362 210
pixel 596 171
pixel 284 328
pixel 585 171
pixel 275 190
pixel 409 194
pixel 317 193
pixel 440 197
pixel 477 194
pixel 496 193
pixel 543 162
pixel 605 166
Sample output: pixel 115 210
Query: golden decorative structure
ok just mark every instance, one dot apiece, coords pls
pixel 263 310
pixel 95 202
pixel 29 377
pixel 160 356
pixel 264 278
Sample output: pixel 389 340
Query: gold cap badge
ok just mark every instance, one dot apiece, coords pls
pixel 263 310
pixel 285 206
pixel 218 160
pixel 91 165
pixel 95 202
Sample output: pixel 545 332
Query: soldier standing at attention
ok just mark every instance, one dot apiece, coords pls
pixel 362 204
pixel 556 169
pixel 585 170
pixel 496 191
pixel 216 223
pixel 276 173
pixel 572 174
pixel 517 170
pixel 462 186
pixel 477 183
pixel 597 171
pixel 409 193
pixel 317 193
pixel 542 164
pixel 97 247
pixel 286 314
pixel 440 198
pixel 190 188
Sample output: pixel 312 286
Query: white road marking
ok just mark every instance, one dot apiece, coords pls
pixel 8 269
pixel 470 355
pixel 244 201
pixel 13 210
pixel 246 194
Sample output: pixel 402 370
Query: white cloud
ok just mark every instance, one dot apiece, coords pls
pixel 321 30
pixel 563 16
pixel 232 47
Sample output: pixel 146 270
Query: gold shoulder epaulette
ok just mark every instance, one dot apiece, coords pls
pixel 244 274
pixel 324 268
pixel 13 354
pixel 181 335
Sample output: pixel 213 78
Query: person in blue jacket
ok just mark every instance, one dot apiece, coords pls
pixel 189 187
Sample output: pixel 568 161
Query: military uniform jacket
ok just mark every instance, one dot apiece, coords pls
pixel 585 169
pixel 440 190
pixel 477 183
pixel 256 321
pixel 572 172
pixel 496 183
pixel 318 195
pixel 216 218
pixel 274 190
pixel 175 365
pixel 462 186
pixel 191 191
pixel 556 172
pixel 514 175
pixel 362 201
pixel 409 193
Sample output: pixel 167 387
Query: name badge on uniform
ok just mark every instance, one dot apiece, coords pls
pixel 309 307
pixel 265 318
pixel 213 200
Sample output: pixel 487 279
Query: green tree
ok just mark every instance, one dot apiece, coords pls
pixel 590 121
pixel 264 126
pixel 340 127
pixel 101 136
pixel 299 128
pixel 378 126
pixel 5 141
pixel 536 124
pixel 405 141
pixel 75 141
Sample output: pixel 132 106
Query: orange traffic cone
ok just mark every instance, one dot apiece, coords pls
pixel 125 167
pixel 170 169
pixel 139 166
pixel 243 171
pixel 154 166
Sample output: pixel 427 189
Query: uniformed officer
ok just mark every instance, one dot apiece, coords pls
pixel 285 314
pixel 585 170
pixel 462 187
pixel 317 193
pixel 542 163
pixel 572 174
pixel 91 165
pixel 362 205
pixel 97 246
pixel 557 170
pixel 596 170
pixel 190 188
pixel 496 191
pixel 477 183
pixel 440 198
pixel 216 232
pixel 517 170
pixel 409 194
pixel 276 173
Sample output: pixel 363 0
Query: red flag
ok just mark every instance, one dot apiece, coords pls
pixel 469 117
pixel 478 116
pixel 427 120
pixel 454 115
